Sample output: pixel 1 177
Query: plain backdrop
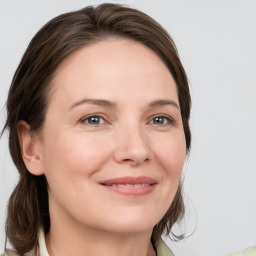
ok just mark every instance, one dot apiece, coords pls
pixel 217 45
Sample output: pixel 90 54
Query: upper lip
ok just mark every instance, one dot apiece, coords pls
pixel 129 180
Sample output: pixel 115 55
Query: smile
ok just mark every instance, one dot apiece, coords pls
pixel 130 186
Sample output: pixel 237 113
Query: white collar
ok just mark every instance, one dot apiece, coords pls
pixel 42 245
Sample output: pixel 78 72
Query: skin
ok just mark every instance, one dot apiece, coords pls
pixel 133 135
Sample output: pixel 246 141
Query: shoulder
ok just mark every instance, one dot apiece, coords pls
pixel 163 250
pixel 12 253
pixel 8 253
pixel 250 251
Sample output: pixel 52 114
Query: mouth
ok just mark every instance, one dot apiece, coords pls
pixel 134 186
pixel 128 185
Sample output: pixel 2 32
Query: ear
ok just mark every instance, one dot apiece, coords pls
pixel 30 149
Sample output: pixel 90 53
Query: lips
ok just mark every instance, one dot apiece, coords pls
pixel 136 186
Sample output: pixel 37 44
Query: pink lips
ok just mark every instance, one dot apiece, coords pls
pixel 136 186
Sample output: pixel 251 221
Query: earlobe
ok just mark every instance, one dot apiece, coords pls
pixel 30 149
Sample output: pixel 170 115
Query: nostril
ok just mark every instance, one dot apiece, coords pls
pixel 132 151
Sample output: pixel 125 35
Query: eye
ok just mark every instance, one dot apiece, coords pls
pixel 93 120
pixel 161 120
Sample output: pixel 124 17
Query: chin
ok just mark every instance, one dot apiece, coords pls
pixel 133 224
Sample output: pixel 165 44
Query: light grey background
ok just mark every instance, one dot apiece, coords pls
pixel 217 44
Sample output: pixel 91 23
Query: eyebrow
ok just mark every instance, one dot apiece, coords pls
pixel 98 102
pixel 107 103
pixel 164 102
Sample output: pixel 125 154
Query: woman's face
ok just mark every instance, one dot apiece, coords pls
pixel 113 146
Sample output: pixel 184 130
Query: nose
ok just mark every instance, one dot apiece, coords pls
pixel 132 147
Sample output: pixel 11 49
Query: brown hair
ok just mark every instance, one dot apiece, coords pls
pixel 27 100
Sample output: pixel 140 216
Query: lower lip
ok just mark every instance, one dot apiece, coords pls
pixel 132 191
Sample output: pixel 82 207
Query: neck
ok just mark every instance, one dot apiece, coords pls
pixel 76 240
pixel 92 243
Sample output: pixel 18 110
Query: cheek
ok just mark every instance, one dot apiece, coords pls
pixel 171 155
pixel 70 157
pixel 70 163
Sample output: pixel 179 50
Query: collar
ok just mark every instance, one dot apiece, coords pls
pixel 42 245
pixel 163 250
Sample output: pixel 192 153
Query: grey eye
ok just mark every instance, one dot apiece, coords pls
pixel 93 120
pixel 159 120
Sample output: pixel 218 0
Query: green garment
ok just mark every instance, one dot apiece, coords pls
pixel 163 250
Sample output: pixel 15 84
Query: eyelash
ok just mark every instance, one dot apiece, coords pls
pixel 169 120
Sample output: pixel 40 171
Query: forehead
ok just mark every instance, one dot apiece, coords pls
pixel 113 66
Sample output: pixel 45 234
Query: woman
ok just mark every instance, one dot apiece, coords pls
pixel 98 116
